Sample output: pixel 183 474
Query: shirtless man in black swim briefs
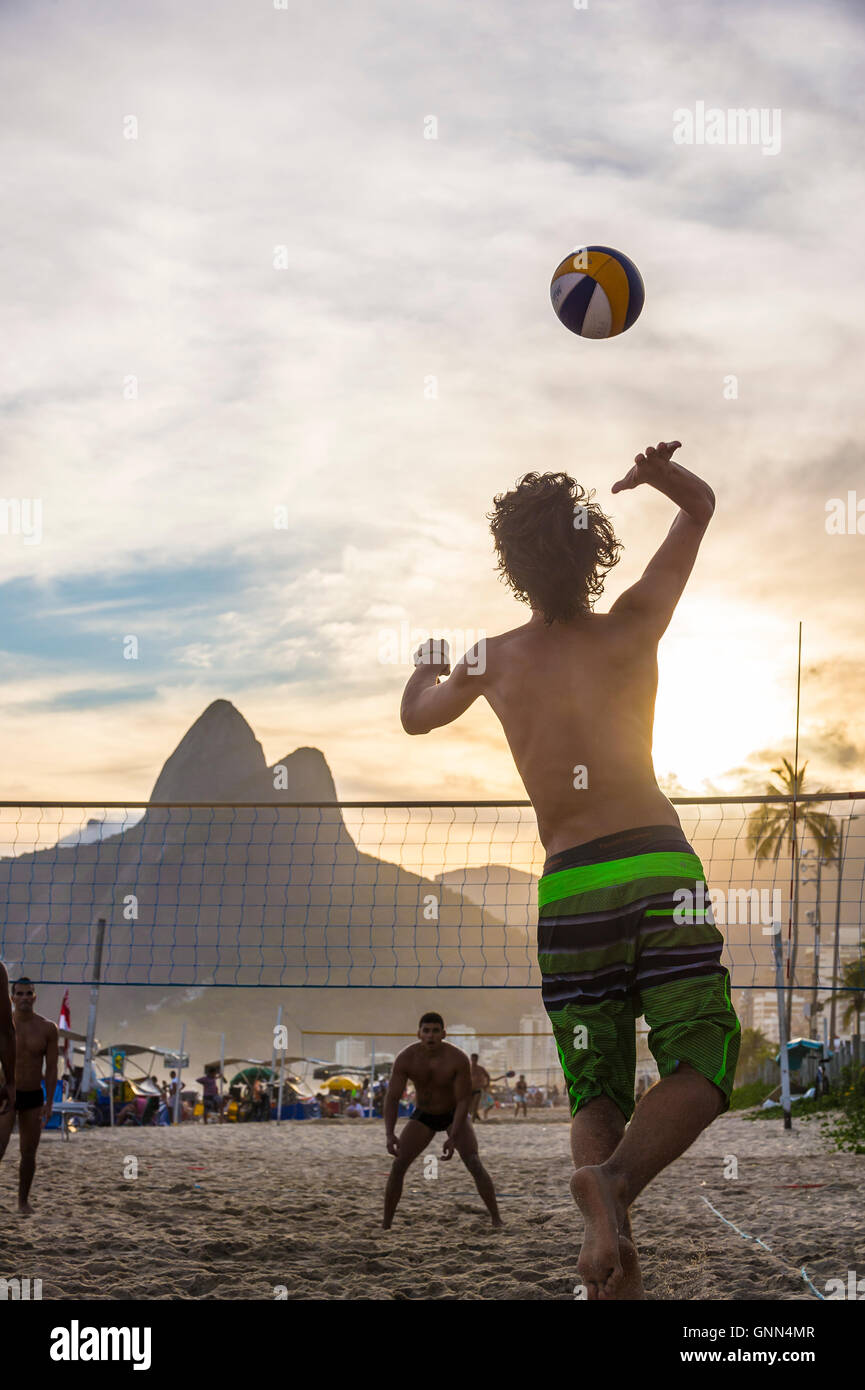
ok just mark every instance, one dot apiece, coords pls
pixel 7 1046
pixel 36 1043
pixel 442 1082
pixel 619 934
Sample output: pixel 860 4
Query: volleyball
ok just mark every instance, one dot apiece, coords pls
pixel 597 292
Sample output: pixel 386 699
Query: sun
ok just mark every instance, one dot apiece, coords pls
pixel 726 686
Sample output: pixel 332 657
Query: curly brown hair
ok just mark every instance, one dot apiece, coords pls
pixel 554 544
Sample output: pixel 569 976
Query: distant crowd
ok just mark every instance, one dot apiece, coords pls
pixel 254 1098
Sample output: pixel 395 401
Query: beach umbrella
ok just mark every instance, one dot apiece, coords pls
pixel 341 1083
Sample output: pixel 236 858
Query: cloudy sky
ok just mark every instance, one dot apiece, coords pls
pixel 242 286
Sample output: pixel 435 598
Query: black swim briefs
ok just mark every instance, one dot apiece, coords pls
pixel 434 1122
pixel 29 1100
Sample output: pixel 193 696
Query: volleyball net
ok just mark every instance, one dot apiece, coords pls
pixel 390 895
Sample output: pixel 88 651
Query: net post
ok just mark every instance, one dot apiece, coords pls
pixel 273 1052
pixel 87 1069
pixel 836 951
pixel 782 1027
pixel 221 1074
pixel 178 1103
pixel 281 1079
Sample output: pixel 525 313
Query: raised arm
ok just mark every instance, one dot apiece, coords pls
pixel 428 702
pixel 652 600
pixel 7 1045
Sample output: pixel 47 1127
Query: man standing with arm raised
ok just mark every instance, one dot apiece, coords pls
pixel 619 934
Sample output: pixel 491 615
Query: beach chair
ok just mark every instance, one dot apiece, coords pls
pixel 148 1114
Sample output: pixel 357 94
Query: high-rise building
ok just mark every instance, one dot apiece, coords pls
pixel 535 1049
pixel 765 1013
pixel 351 1052
pixel 463 1036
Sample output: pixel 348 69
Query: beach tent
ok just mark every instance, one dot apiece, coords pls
pixel 325 1070
pixel 299 1086
pixel 250 1062
pixel 75 1043
pixel 258 1072
pixel 140 1085
pixel 226 1062
pixel 262 1073
pixel 800 1048
pixel 64 1033
pixel 170 1056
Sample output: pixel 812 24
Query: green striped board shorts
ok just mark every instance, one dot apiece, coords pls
pixel 626 929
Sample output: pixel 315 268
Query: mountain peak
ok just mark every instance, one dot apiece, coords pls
pixel 217 755
pixel 307 776
pixel 220 760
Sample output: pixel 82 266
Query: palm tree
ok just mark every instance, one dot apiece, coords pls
pixel 853 976
pixel 755 1048
pixel 770 827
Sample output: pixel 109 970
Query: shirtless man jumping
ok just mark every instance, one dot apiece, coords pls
pixel 619 934
pixel 442 1082
pixel 36 1040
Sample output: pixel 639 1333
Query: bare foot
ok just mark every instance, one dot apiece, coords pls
pixel 25 1209
pixel 498 1223
pixel 602 1205
pixel 631 1286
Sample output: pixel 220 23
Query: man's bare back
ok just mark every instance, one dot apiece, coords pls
pixel 576 702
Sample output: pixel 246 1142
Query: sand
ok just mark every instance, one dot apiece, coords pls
pixel 242 1212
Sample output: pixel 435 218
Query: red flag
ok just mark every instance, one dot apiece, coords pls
pixel 64 1021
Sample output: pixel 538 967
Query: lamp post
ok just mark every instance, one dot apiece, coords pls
pixel 783 1055
pixel 814 919
pixel 843 842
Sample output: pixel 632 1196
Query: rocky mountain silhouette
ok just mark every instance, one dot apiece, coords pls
pixel 224 893
pixel 219 759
